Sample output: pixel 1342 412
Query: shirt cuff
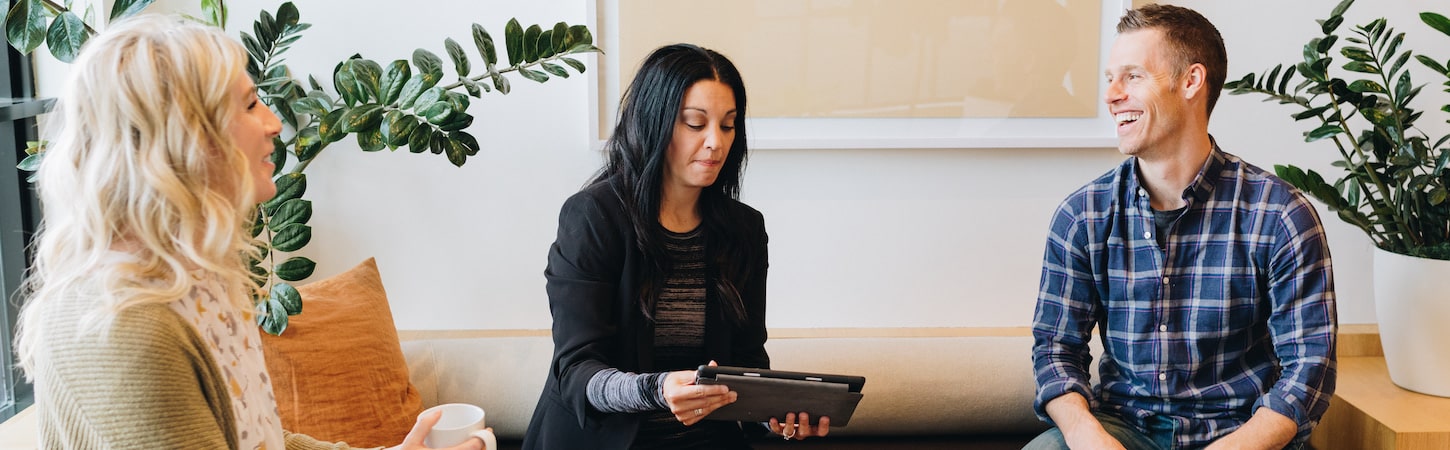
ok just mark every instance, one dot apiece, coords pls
pixel 1057 388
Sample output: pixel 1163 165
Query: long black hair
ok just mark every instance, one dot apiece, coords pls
pixel 635 160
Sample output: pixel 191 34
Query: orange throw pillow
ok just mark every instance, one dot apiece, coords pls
pixel 338 370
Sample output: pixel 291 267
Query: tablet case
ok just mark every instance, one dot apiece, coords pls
pixel 763 394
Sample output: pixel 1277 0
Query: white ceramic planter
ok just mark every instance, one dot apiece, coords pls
pixel 1412 300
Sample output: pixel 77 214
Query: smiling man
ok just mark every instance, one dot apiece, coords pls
pixel 1207 278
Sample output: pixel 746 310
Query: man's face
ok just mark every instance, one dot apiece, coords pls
pixel 1149 107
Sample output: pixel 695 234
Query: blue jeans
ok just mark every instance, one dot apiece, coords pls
pixel 1158 437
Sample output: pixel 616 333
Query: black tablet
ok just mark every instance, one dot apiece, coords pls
pixel 763 394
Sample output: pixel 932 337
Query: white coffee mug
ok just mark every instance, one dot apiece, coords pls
pixel 459 423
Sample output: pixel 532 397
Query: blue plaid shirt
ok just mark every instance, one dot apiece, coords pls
pixel 1236 312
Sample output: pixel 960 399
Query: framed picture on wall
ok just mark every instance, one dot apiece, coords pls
pixel 849 74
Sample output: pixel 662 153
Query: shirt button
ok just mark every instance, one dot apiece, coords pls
pixel 1163 328
pixel 1142 192
pixel 1163 376
pixel 1165 280
pixel 1147 235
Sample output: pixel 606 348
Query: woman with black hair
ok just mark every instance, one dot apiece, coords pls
pixel 657 269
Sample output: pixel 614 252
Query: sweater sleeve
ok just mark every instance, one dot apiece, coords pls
pixel 613 391
pixel 147 383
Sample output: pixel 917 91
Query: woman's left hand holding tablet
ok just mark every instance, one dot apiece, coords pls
pixel 691 402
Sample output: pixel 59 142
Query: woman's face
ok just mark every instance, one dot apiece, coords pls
pixel 252 128
pixel 704 130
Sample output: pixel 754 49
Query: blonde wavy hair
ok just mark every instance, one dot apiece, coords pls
pixel 140 164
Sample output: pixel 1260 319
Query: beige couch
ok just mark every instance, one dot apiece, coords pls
pixel 919 381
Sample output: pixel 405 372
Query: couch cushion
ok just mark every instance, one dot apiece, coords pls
pixel 338 370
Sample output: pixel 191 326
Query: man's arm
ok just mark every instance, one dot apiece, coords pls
pixel 1266 430
pixel 1078 425
pixel 1067 308
pixel 1302 323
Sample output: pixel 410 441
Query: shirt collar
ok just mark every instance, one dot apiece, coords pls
pixel 1201 189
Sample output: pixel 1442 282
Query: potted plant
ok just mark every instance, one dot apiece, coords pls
pixel 1394 181
pixel 400 105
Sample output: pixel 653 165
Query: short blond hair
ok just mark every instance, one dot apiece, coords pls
pixel 141 184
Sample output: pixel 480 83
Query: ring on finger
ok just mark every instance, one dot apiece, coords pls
pixel 787 432
pixel 699 411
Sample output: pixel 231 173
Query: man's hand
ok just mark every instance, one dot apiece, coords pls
pixel 1267 430
pixel 1079 428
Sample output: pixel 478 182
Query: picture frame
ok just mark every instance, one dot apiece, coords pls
pixel 1091 128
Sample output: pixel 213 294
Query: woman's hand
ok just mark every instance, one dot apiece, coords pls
pixel 425 423
pixel 792 429
pixel 691 402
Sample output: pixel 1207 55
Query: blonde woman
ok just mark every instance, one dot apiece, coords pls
pixel 138 329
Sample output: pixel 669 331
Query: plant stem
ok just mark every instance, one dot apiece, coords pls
pixel 59 9
pixel 507 70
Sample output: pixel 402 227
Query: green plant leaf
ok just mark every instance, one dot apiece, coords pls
pixel 279 155
pixel 315 106
pixel 474 88
pixel 534 75
pixel 559 38
pixel 416 86
pixel 287 298
pixel 266 28
pixel 367 74
pixel 286 16
pixel 256 229
pixel 555 69
pixel 420 137
pixel 396 128
pixel 309 143
pixel 215 12
pixel 1332 23
pixel 292 211
pixel 66 36
pixel 579 35
pixel 272 317
pixel 25 25
pixel 1399 63
pixel 1361 67
pixel 1436 21
pixel 1366 86
pixel 1341 8
pixel 331 126
pixel 370 140
pixel 290 238
pixel 362 118
pixel 438 112
pixel 579 66
pixel 31 162
pixel 1325 44
pixel 459 121
pixel 501 84
pixel 1321 133
pixel 545 45
pixel 427 61
pixel 1311 112
pixel 484 42
pixel 346 84
pixel 469 142
pixel 513 38
pixel 457 152
pixel 1357 54
pixel 432 95
pixel 289 186
pixel 531 43
pixel 395 77
pixel 460 59
pixel 1393 47
pixel 295 268
pixel 437 143
pixel 128 8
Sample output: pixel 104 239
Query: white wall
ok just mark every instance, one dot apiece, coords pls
pixel 859 238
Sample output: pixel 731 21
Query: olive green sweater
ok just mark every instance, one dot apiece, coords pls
pixel 149 383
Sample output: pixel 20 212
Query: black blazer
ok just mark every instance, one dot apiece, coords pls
pixel 593 281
